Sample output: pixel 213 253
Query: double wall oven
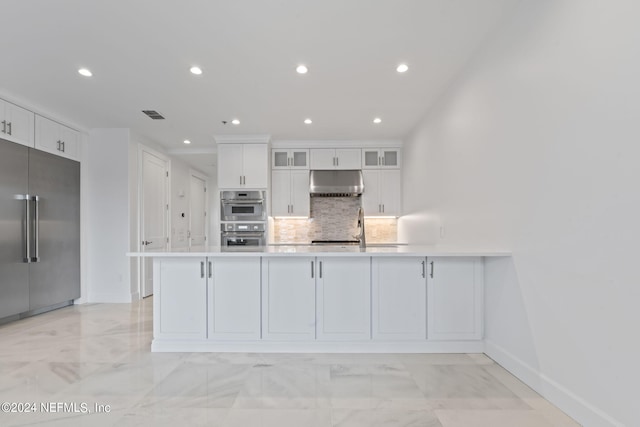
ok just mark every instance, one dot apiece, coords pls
pixel 243 217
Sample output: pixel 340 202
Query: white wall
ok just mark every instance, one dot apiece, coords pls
pixel 134 224
pixel 179 199
pixel 536 148
pixel 214 210
pixel 108 269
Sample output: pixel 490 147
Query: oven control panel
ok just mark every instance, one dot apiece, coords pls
pixel 243 226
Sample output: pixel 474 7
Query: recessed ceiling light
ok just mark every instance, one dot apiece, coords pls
pixel 235 122
pixel 377 120
pixel 308 121
pixel 302 69
pixel 402 68
pixel 85 72
pixel 186 141
pixel 196 70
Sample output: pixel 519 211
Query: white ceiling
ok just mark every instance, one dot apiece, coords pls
pixel 140 52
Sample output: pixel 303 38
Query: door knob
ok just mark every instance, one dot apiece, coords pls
pixel 146 242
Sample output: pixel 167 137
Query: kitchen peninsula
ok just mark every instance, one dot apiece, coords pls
pixel 299 298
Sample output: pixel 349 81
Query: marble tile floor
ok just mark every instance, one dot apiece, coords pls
pixel 98 354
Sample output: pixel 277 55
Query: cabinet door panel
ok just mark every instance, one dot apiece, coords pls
pixel 71 142
pixel 455 298
pixel 370 159
pixel 300 159
pixel 19 126
pixel 300 202
pixel 47 135
pixel 349 158
pixel 344 299
pixel 390 192
pixel 280 159
pixel 234 299
pixel 280 192
pixel 180 298
pixel 255 166
pixel 288 299
pixel 322 158
pixel 390 158
pixel 399 296
pixel 371 197
pixel 229 166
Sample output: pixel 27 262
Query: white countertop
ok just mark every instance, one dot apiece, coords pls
pixel 326 250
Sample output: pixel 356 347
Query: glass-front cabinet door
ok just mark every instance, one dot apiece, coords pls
pixel 290 159
pixel 381 158
pixel 280 159
pixel 300 159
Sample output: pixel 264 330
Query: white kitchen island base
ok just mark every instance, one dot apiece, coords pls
pixel 304 300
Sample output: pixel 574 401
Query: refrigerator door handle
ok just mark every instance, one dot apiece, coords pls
pixel 27 230
pixel 36 229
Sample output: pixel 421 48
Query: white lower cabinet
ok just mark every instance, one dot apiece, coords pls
pixel 399 298
pixel 288 299
pixel 328 299
pixel 455 298
pixel 180 298
pixel 234 298
pixel 343 298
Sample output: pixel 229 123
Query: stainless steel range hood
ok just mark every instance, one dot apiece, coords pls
pixel 336 183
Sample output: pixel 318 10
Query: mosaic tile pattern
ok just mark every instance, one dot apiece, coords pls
pixel 333 218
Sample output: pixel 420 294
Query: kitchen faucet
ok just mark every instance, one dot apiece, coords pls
pixel 360 236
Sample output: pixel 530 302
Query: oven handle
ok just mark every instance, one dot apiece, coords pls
pixel 241 234
pixel 242 202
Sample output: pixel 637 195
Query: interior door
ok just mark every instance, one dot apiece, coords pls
pixel 197 210
pixel 153 213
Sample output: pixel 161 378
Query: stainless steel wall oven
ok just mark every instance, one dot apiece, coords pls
pixel 239 235
pixel 243 206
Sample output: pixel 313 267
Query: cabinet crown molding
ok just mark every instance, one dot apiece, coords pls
pixel 350 143
pixel 242 139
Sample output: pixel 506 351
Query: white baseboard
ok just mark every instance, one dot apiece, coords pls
pixel 174 345
pixel 569 402
pixel 107 297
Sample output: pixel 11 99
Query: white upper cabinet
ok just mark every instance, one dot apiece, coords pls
pixel 290 193
pixel 336 158
pixel 455 298
pixel 243 166
pixel 56 138
pixel 16 124
pixel 382 190
pixel 290 159
pixel 381 158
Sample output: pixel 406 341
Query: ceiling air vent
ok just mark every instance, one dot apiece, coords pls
pixel 153 114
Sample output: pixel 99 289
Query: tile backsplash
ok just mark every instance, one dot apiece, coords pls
pixel 333 218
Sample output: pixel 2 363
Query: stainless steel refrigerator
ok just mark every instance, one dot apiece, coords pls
pixel 39 231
